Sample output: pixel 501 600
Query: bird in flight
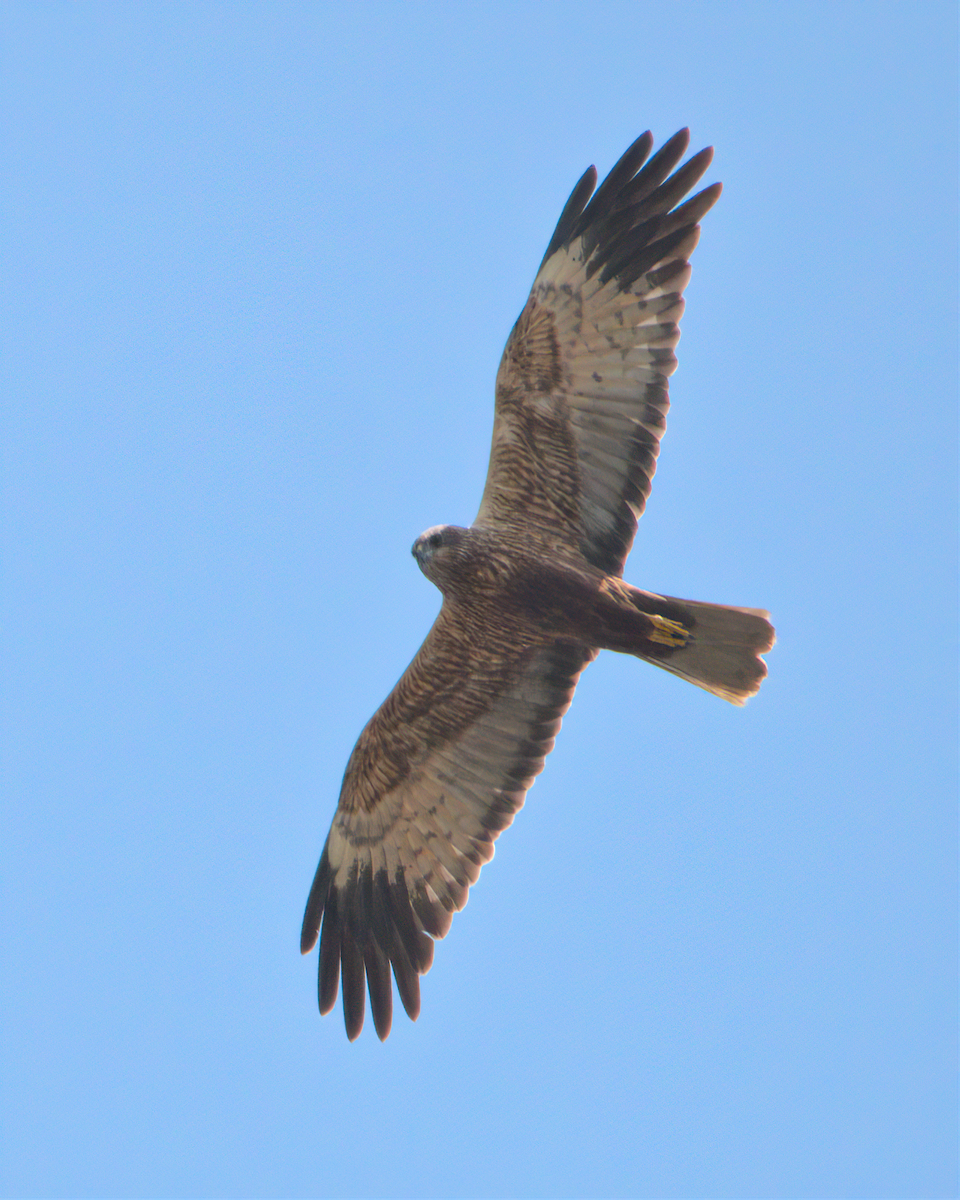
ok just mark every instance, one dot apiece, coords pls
pixel 532 591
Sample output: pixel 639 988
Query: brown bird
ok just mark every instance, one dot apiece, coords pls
pixel 532 591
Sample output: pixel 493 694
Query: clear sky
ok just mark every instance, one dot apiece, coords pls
pixel 259 263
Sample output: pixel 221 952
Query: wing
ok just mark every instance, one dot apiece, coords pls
pixel 438 773
pixel 582 386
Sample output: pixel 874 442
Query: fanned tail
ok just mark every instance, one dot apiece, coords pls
pixel 717 647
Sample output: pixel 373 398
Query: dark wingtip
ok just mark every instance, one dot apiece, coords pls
pixel 353 980
pixel 571 211
pixel 316 901
pixel 682 135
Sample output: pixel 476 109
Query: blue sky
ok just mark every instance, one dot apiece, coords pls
pixel 259 265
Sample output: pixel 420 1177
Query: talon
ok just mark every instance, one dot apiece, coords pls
pixel 668 633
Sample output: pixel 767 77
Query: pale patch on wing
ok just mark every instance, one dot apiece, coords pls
pixel 582 385
pixel 392 875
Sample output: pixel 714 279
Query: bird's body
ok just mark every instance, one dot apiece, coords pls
pixel 532 591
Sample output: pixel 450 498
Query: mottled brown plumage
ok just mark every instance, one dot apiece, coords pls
pixel 532 591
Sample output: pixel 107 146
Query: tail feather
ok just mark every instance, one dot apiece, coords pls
pixel 718 648
pixel 714 646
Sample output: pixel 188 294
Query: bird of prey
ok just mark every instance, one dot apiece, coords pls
pixel 532 591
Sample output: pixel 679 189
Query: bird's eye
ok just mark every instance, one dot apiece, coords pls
pixel 436 539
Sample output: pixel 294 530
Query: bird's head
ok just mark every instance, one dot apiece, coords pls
pixel 438 552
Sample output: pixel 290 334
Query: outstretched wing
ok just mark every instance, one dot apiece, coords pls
pixel 582 386
pixel 439 771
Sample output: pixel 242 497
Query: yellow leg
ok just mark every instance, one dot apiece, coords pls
pixel 668 633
